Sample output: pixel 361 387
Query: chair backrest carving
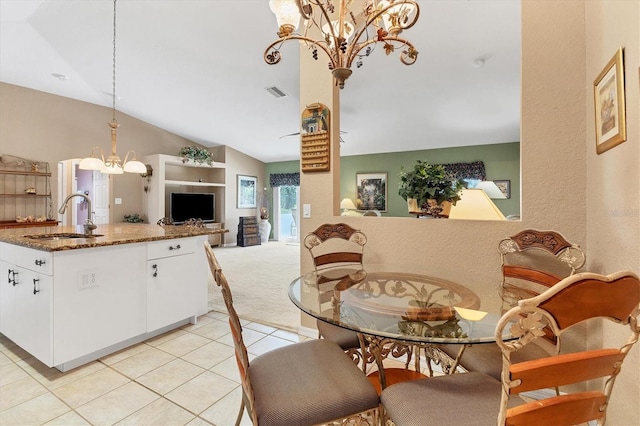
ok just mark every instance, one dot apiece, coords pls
pixel 335 244
pixel 571 301
pixel 533 261
pixel 242 357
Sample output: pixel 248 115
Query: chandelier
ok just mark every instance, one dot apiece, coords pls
pixel 345 35
pixel 112 164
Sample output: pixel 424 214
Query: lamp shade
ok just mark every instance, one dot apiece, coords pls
pixel 286 12
pixel 475 204
pixel 491 189
pixel 347 204
pixel 135 166
pixel 395 13
pixel 91 163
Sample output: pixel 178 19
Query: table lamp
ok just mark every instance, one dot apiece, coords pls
pixel 474 203
pixel 346 204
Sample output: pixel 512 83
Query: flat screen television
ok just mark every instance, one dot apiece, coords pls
pixel 188 205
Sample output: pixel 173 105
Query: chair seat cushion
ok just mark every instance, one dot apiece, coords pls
pixel 457 399
pixel 344 338
pixel 308 383
pixel 487 358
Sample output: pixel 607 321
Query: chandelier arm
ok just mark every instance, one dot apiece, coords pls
pixel 406 57
pixel 371 22
pixel 273 59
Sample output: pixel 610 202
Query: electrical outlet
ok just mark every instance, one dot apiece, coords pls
pixel 118 200
pixel 87 279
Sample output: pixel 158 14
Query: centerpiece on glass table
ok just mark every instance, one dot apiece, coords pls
pixel 429 189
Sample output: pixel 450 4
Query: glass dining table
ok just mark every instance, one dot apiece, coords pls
pixel 396 312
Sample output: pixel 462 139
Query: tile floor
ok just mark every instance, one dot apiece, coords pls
pixel 185 377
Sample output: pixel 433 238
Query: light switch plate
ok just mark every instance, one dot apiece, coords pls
pixel 306 210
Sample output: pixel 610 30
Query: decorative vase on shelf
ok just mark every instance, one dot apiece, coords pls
pixel 265 230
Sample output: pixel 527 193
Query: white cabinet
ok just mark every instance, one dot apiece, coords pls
pixel 25 301
pixel 70 307
pixel 171 174
pixel 171 282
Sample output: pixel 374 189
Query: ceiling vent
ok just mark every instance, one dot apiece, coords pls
pixel 276 92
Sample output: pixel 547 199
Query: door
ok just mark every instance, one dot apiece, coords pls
pixel 286 200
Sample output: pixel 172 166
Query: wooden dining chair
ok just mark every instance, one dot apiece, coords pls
pixel 532 262
pixel 307 383
pixel 485 401
pixel 334 245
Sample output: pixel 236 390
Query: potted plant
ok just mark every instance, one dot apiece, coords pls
pixel 196 154
pixel 432 187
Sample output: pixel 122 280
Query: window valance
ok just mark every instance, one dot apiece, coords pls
pixel 284 179
pixel 474 170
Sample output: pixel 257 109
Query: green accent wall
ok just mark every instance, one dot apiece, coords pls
pixel 501 161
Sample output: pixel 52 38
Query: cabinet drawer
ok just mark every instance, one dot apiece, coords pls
pixel 28 258
pixel 166 248
pixel 248 240
pixel 248 220
pixel 248 229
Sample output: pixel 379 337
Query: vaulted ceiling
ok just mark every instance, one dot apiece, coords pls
pixel 196 68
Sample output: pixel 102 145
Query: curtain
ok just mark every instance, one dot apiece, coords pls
pixel 473 170
pixel 284 179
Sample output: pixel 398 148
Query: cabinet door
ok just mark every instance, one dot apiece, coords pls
pixel 171 290
pixel 34 323
pixel 8 277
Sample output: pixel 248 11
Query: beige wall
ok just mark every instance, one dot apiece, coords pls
pixel 239 164
pixel 39 126
pixel 564 46
pixel 613 182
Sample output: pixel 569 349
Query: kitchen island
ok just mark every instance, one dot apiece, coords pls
pixel 69 299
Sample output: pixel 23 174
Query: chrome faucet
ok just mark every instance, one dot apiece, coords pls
pixel 89 226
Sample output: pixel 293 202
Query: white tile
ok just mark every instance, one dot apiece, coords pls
pixel 267 344
pixel 201 392
pixel 117 404
pixel 169 376
pixel 20 391
pixel 139 364
pixel 90 387
pixel 209 355
pixel 225 411
pixel 183 344
pixel 35 411
pixel 159 412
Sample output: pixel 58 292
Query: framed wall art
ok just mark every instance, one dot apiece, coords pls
pixel 247 192
pixel 504 186
pixel 371 191
pixel 608 95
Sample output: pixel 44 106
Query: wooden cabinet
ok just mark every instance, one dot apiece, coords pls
pixel 25 193
pixel 248 232
pixel 215 239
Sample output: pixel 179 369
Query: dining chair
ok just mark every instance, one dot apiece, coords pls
pixel 477 398
pixel 334 245
pixel 531 261
pixel 307 383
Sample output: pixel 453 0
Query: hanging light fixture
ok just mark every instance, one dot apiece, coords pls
pixel 346 35
pixel 112 164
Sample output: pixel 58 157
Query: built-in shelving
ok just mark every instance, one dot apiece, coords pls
pixel 172 174
pixel 25 193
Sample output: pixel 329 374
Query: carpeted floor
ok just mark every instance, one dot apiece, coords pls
pixel 259 278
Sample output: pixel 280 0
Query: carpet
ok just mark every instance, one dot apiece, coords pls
pixel 259 278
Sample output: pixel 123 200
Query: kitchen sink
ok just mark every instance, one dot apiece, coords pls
pixel 60 236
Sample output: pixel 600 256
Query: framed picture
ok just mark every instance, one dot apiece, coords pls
pixel 504 186
pixel 608 95
pixel 371 191
pixel 247 192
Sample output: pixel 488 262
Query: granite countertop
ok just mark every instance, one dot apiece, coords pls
pixel 105 235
